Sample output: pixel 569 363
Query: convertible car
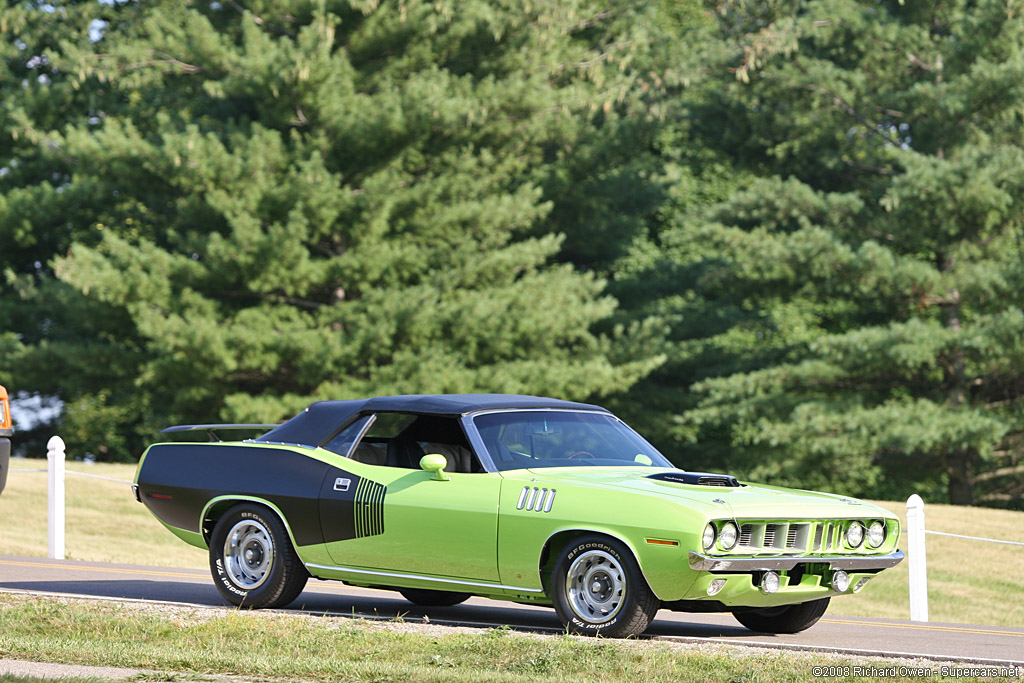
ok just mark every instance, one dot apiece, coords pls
pixel 520 498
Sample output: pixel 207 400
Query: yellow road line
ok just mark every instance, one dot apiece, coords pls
pixel 148 572
pixel 111 570
pixel 924 627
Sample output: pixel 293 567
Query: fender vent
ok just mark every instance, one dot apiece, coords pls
pixel 697 479
pixel 536 499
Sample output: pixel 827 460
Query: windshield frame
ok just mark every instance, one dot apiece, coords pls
pixel 477 440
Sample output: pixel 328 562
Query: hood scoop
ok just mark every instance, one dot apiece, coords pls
pixel 697 479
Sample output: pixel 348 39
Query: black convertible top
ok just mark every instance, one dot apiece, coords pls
pixel 321 420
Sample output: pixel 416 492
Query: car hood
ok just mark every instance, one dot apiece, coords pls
pixel 750 501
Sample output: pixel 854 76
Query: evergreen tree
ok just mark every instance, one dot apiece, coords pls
pixel 852 313
pixel 292 201
pixel 39 207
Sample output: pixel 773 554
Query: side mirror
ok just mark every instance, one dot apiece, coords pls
pixel 435 463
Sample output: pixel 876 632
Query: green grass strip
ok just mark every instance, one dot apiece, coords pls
pixel 268 646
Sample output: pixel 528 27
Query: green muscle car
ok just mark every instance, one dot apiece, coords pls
pixel 519 498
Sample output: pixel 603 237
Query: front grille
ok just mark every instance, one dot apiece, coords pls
pixel 784 537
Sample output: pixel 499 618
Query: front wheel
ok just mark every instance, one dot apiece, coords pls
pixel 597 588
pixel 252 559
pixel 785 619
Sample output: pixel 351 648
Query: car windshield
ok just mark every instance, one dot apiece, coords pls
pixel 529 439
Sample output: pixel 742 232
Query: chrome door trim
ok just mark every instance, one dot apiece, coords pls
pixel 420 577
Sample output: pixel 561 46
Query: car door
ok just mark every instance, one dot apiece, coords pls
pixel 383 513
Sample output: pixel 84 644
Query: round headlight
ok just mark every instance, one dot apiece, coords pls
pixel 876 534
pixel 709 536
pixel 840 581
pixel 730 534
pixel 855 534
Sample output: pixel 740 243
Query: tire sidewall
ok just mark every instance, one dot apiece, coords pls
pixel 233 593
pixel 785 619
pixel 432 598
pixel 573 621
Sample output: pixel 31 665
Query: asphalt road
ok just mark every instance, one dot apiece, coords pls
pixel 874 637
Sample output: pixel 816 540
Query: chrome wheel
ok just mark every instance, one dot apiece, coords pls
pixel 248 554
pixel 595 586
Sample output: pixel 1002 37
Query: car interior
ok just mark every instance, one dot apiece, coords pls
pixel 400 440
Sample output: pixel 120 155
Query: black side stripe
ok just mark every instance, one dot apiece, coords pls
pixel 369 512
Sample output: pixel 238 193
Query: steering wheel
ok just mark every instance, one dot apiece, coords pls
pixel 582 454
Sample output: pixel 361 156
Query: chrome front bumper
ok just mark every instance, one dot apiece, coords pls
pixel 749 564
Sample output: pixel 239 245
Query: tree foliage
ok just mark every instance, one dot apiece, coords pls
pixel 291 201
pixel 851 311
pixel 780 238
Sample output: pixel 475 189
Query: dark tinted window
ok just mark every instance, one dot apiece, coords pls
pixel 402 439
pixel 342 442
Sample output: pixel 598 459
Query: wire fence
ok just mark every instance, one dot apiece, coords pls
pixel 915 530
pixel 972 538
pixel 77 474
pixel 904 531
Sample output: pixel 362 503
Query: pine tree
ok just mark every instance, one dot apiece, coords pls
pixel 280 202
pixel 852 312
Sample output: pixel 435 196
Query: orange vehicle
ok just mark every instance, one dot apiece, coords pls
pixel 6 429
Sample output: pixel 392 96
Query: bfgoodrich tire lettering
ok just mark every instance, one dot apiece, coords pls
pixel 597 589
pixel 252 559
pixel 787 619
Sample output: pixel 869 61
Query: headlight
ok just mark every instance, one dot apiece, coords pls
pixel 855 534
pixel 709 536
pixel 876 534
pixel 730 534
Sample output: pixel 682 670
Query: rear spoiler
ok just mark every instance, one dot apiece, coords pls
pixel 210 429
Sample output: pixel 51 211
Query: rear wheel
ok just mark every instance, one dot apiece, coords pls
pixel 252 559
pixel 785 619
pixel 597 588
pixel 429 598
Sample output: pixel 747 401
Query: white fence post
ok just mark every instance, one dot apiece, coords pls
pixel 55 503
pixel 916 559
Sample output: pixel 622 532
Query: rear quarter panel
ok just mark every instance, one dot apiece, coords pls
pixel 178 480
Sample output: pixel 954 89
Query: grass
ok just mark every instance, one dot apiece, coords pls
pixel 968 581
pixel 104 522
pixel 196 643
